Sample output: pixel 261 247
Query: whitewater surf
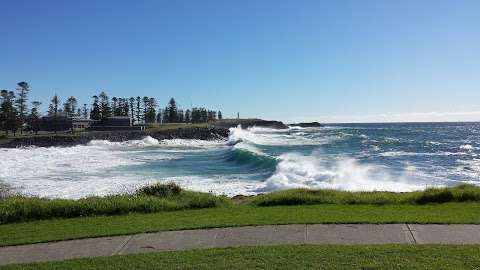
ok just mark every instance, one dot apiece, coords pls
pixel 391 157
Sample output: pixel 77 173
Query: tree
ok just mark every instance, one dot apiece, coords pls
pixel 8 113
pixel 180 116
pixel 172 110
pixel 219 115
pixel 132 102
pixel 70 107
pixel 53 111
pixel 187 118
pixel 139 109
pixel 211 115
pixel 146 102
pixel 105 109
pixel 114 106
pixel 23 89
pixel 85 111
pixel 34 117
pixel 151 111
pixel 95 112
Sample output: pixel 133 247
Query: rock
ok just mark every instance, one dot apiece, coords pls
pixel 305 125
pixel 246 123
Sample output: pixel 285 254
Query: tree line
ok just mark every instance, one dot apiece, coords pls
pixel 14 110
pixel 15 113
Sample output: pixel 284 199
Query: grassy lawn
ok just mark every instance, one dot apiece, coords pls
pixel 286 257
pixel 235 215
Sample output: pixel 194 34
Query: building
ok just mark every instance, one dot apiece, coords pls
pixel 58 123
pixel 115 123
pixel 118 121
pixel 79 124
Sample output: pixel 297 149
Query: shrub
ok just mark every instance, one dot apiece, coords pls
pixel 160 190
pixel 435 196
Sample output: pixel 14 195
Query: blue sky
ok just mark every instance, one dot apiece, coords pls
pixel 331 61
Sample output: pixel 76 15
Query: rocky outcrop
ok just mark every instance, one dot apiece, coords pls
pixel 305 125
pixel 246 123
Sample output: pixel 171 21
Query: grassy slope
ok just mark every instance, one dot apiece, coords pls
pixel 62 229
pixel 287 257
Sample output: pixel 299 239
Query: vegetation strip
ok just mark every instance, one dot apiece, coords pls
pixel 241 215
pixel 286 257
pixel 170 197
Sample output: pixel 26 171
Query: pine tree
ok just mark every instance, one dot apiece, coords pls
pixel 139 109
pixel 172 111
pixel 53 111
pixel 132 102
pixel 187 116
pixel 105 109
pixel 34 117
pixel 85 111
pixel 70 106
pixel 115 106
pixel 8 112
pixel 151 111
pixel 95 112
pixel 23 89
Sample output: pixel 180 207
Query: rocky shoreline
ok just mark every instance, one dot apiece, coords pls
pixel 66 140
pixel 216 131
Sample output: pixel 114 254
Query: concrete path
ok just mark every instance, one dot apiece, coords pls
pixel 243 236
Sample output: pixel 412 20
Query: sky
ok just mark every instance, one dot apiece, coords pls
pixel 290 60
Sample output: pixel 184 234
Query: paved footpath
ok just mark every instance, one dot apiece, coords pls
pixel 243 236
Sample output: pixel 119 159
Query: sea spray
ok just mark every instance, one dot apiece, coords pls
pixel 343 173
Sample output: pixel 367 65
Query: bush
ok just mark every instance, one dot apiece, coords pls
pixel 160 190
pixel 435 196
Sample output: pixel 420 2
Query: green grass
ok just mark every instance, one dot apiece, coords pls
pixel 228 216
pixel 461 193
pixel 149 199
pixel 286 257
pixel 170 197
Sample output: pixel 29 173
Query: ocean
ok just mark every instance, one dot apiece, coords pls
pixel 357 157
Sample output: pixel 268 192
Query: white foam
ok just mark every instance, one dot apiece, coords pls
pixel 467 147
pixel 272 137
pixel 145 142
pixel 314 171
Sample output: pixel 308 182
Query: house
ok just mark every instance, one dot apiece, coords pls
pixel 79 124
pixel 118 121
pixel 115 123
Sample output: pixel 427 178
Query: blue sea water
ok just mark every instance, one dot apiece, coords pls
pixel 394 157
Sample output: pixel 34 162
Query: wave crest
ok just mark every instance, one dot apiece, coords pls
pixel 299 171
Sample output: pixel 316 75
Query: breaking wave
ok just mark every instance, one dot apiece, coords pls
pixel 254 160
pixel 315 171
